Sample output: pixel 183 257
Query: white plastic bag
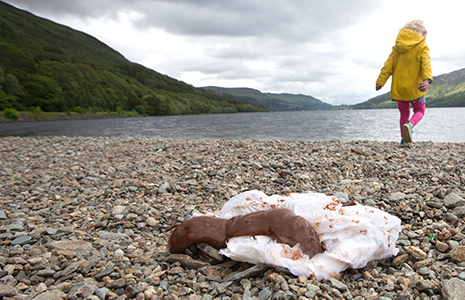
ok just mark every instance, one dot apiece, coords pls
pixel 352 235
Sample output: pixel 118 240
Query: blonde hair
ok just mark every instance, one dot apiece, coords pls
pixel 417 26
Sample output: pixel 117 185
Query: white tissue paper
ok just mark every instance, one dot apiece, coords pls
pixel 352 235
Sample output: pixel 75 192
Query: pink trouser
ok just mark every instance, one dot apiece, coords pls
pixel 404 109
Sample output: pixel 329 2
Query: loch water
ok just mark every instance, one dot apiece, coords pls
pixel 438 125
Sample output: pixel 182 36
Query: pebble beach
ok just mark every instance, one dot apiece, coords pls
pixel 90 218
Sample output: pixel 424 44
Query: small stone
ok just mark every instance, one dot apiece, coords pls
pixel 338 285
pixel 118 209
pixel 397 196
pixel 423 263
pixel 210 251
pixel 444 235
pixel 7 291
pixel 81 290
pixel 51 294
pixel 442 247
pixel 46 273
pixel 342 197
pixel 250 272
pixel 453 200
pixel 150 293
pixel 457 254
pixel 435 204
pixel 416 253
pixel 68 270
pixel 152 222
pixel 77 246
pixel 453 289
pixel 115 284
pixel 41 287
pixel 50 230
pixel 187 261
pixel 399 259
pixel 422 285
pixel 21 240
pixel 106 235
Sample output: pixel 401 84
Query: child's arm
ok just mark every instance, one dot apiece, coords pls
pixel 425 65
pixel 386 71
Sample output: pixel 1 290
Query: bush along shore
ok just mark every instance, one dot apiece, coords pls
pixel 89 218
pixel 12 115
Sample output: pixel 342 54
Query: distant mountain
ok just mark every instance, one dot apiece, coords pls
pixel 47 65
pixel 274 102
pixel 447 90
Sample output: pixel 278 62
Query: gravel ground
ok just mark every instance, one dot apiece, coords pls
pixel 89 218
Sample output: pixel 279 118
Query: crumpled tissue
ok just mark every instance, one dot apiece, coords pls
pixel 351 235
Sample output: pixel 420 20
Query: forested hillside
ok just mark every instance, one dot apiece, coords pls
pixel 56 68
pixel 275 102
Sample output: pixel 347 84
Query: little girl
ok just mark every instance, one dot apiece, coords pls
pixel 410 67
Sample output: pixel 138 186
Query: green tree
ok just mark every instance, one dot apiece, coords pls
pixel 11 114
pixel 140 109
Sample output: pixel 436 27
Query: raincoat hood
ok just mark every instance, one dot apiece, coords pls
pixel 407 39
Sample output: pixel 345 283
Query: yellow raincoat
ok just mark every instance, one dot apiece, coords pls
pixel 409 64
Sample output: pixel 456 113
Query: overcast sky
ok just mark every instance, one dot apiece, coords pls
pixel 331 50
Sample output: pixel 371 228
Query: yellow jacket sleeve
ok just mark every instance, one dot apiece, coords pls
pixel 426 72
pixel 387 70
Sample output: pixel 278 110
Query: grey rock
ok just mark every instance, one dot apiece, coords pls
pixel 459 211
pixel 68 270
pixel 451 218
pixel 453 289
pixel 397 196
pixel 435 204
pixel 21 240
pixel 250 272
pixel 81 290
pixel 265 294
pixel 338 285
pixel 7 291
pixel 453 200
pixel 51 294
pixel 107 235
pixel 210 251
pixel 343 197
pixel 107 271
pixel 101 293
pixel 187 261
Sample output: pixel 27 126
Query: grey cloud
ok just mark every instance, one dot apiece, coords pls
pixel 298 20
pixel 81 8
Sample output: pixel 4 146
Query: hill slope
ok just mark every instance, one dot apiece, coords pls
pixel 275 102
pixel 51 66
pixel 447 90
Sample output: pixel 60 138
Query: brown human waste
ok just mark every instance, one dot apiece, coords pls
pixel 279 224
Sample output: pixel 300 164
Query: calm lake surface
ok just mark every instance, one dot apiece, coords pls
pixel 438 125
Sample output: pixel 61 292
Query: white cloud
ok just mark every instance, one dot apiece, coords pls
pixel 329 49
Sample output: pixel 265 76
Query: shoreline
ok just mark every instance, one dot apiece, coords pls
pixel 63 116
pixel 120 198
